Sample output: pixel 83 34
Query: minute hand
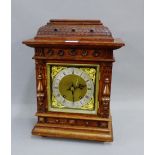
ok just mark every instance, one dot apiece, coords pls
pixel 73 95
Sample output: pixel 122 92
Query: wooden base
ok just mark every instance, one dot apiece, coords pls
pixel 84 133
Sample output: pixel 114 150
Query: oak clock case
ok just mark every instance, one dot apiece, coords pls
pixel 73 61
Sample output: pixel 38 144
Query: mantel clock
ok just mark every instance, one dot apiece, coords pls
pixel 73 61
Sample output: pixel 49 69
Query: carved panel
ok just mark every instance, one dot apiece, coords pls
pixel 72 121
pixel 41 119
pixel 103 124
pixel 50 52
pixel 39 52
pixel 56 53
pixel 105 87
pixel 40 82
pixel 75 28
pixel 96 53
pixel 84 53
pixel 100 124
pixel 74 31
pixel 106 98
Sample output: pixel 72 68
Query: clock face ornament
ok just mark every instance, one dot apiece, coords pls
pixel 73 62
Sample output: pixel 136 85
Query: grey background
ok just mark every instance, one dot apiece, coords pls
pixel 125 20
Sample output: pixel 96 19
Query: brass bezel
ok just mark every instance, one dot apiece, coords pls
pixel 69 110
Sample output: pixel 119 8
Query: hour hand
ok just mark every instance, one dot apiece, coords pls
pixel 81 86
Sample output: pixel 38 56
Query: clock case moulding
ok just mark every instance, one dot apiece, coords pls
pixel 74 42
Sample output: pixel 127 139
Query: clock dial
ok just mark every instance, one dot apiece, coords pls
pixel 72 87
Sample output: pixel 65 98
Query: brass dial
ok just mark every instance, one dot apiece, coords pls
pixel 73 88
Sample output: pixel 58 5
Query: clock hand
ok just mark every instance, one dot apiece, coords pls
pixel 80 86
pixel 73 95
pixel 77 81
pixel 72 88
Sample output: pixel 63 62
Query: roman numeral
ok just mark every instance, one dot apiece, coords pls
pixel 87 96
pixel 73 71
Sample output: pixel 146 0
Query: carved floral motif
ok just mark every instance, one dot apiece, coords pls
pixel 104 102
pixel 40 86
pixel 106 98
pixel 100 124
pixel 53 53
